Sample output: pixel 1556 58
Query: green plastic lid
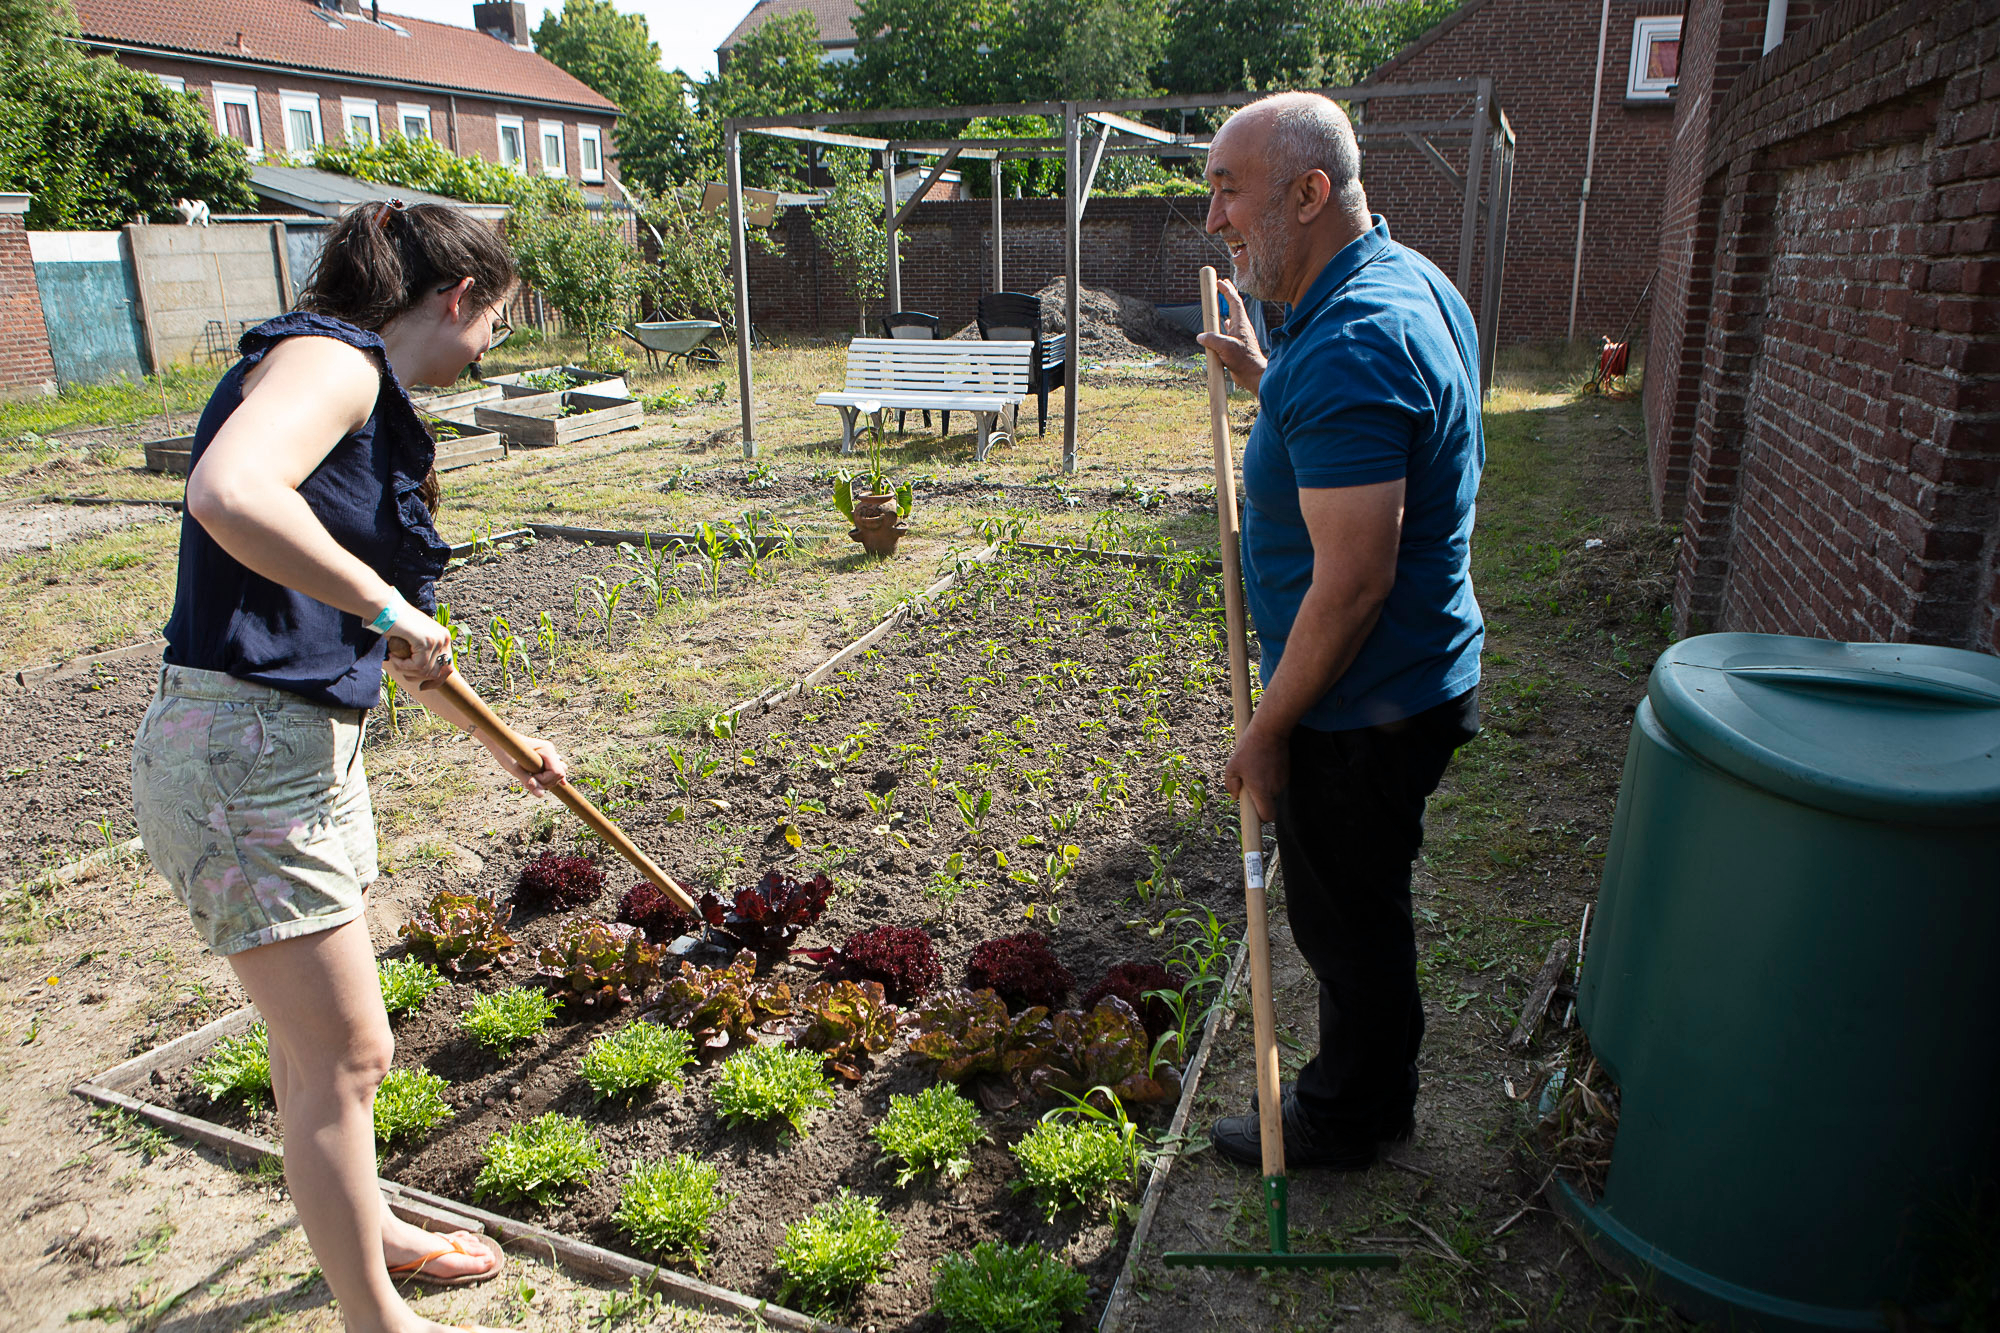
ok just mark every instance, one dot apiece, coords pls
pixel 1888 731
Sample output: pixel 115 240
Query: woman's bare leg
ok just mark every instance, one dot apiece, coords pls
pixel 323 1005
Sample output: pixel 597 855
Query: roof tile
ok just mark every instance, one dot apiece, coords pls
pixel 301 34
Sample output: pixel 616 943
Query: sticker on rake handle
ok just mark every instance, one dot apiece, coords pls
pixel 1253 869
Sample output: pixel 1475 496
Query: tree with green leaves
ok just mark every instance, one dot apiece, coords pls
pixel 1226 45
pixel 775 71
pixel 661 140
pixel 1084 49
pixel 849 226
pixel 583 265
pixel 97 144
pixel 932 53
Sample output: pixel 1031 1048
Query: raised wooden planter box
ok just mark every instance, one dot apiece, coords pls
pixel 539 422
pixel 443 402
pixel 170 455
pixel 472 445
pixel 592 381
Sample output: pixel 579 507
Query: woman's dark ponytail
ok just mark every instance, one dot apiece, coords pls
pixel 382 259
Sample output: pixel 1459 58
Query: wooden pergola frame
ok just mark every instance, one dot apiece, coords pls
pixel 1484 127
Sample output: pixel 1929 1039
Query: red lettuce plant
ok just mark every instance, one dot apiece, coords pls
pixel 719 1005
pixel 901 958
pixel 845 1022
pixel 768 916
pixel 1130 982
pixel 597 962
pixel 461 933
pixel 554 882
pixel 1022 969
pixel 969 1032
pixel 1104 1047
pixel 652 911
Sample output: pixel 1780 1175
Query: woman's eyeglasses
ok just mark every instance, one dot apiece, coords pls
pixel 502 331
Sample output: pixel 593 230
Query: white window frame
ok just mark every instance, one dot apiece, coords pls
pixel 408 111
pixel 501 124
pixel 353 108
pixel 1646 32
pixel 543 129
pixel 589 137
pixel 174 82
pixel 288 102
pixel 245 96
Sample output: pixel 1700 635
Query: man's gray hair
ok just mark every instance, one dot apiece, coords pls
pixel 1310 132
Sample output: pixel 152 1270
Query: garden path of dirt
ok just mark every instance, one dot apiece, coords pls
pixel 36 527
pixel 1513 851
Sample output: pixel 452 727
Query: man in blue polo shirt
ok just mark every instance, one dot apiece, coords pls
pixel 1358 483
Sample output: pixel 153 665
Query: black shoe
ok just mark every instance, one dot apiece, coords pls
pixel 1397 1128
pixel 1240 1138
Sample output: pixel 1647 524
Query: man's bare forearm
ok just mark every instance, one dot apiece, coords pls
pixel 1332 624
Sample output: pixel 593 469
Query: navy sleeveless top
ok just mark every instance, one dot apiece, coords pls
pixel 227 618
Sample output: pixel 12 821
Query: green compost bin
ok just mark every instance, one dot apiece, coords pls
pixel 1793 975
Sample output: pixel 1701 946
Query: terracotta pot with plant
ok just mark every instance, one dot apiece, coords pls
pixel 868 501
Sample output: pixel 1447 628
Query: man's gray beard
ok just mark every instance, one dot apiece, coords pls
pixel 1259 270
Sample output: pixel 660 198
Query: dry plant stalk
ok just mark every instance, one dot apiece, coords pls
pixel 1576 1135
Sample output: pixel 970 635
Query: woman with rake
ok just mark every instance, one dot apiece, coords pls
pixel 307 544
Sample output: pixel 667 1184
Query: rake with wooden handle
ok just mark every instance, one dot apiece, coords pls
pixel 485 722
pixel 1264 1021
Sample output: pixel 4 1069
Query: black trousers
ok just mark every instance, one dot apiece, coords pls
pixel 1349 826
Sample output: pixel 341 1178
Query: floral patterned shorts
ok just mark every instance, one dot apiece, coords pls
pixel 253 803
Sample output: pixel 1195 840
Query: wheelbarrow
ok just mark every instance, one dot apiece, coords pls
pixel 683 338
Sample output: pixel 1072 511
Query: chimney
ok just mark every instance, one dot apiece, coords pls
pixel 351 7
pixel 505 19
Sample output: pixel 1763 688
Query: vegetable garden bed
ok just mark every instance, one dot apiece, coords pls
pixel 559 418
pixel 1030 754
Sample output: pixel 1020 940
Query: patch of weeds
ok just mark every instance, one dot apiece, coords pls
pixel 239 1067
pixel 666 1206
pixel 131 1134
pixel 637 1057
pixel 832 1253
pixel 407 983
pixel 1001 1288
pixel 639 1306
pixel 538 1159
pixel 770 1083
pixel 505 1019
pixel 932 1131
pixel 409 1103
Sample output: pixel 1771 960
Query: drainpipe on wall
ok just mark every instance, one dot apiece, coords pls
pixel 451 120
pixel 1775 14
pixel 1590 161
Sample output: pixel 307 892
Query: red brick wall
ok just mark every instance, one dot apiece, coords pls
pixel 25 364
pixel 472 129
pixel 1542 56
pixel 1149 248
pixel 1842 447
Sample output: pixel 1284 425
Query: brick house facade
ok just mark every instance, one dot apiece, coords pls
pixel 1542 57
pixel 282 75
pixel 1823 399
pixel 26 366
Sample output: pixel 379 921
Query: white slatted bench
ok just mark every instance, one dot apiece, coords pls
pixel 987 379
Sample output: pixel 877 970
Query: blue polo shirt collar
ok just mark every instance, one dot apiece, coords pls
pixel 1356 255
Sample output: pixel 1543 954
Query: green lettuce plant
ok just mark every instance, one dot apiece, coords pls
pixel 667 1205
pixel 538 1159
pixel 1001 1288
pixel 406 984
pixel 638 1056
pixel 932 1131
pixel 771 1083
pixel 409 1102
pixel 840 1247
pixel 505 1019
pixel 238 1067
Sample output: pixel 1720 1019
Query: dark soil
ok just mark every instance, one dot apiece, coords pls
pixel 69 741
pixel 1108 627
pixel 1116 327
pixel 1043 499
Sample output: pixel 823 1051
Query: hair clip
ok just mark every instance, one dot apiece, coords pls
pixel 389 210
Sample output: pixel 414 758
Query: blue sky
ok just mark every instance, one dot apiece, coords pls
pixel 687 30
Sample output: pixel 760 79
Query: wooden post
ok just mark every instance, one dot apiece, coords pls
pixel 281 250
pixel 738 257
pixel 893 269
pixel 1072 273
pixel 1497 207
pixel 1468 226
pixel 140 284
pixel 999 247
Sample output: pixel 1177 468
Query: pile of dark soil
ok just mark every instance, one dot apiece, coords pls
pixel 1116 327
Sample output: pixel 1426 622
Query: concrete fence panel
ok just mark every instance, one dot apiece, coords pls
pixel 200 286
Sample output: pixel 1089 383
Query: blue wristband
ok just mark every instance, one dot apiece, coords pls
pixel 389 614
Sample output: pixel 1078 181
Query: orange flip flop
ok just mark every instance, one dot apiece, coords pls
pixel 414 1271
